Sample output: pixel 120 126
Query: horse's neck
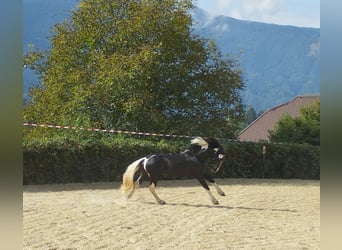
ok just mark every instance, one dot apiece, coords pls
pixel 203 155
pixel 194 148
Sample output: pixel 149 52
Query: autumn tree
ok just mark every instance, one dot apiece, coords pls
pixel 135 65
pixel 304 129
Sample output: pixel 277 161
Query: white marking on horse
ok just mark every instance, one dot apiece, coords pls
pixel 145 163
pixel 153 191
pixel 212 198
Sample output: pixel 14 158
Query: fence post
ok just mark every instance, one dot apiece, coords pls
pixel 263 159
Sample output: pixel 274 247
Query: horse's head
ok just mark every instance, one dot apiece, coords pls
pixel 209 149
pixel 217 154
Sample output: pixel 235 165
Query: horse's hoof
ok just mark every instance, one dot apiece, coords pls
pixel 222 194
pixel 161 202
pixel 215 202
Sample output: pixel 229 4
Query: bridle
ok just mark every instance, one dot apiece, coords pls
pixel 219 155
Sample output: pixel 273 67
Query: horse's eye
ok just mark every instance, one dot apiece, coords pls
pixel 220 156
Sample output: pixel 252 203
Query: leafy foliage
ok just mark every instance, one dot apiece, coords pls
pixel 250 115
pixel 271 160
pixel 67 161
pixel 135 65
pixel 304 129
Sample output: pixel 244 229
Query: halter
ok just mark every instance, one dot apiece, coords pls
pixel 219 156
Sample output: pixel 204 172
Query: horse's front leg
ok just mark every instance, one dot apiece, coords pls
pixel 212 181
pixel 204 184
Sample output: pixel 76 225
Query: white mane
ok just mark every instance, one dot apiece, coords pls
pixel 200 141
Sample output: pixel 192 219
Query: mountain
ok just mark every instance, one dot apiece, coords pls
pixel 278 62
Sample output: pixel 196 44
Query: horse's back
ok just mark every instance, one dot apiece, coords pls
pixel 174 165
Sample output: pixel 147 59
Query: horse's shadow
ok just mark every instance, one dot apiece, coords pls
pixel 226 207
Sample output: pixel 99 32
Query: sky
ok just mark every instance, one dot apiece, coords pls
pixel 302 13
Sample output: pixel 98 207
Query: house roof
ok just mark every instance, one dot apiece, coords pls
pixel 259 129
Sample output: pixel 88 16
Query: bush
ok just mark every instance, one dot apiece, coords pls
pixel 67 161
pixel 246 159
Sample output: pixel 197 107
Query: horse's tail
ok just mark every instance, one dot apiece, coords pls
pixel 129 180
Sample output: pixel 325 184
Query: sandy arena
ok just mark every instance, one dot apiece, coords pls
pixel 254 214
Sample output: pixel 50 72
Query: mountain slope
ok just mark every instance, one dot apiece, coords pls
pixel 279 62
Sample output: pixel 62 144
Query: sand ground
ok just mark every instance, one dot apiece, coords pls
pixel 254 214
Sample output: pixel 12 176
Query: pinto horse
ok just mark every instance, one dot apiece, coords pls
pixel 190 163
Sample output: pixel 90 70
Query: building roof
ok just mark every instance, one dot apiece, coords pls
pixel 259 129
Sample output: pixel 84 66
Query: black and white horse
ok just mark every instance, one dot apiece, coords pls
pixel 190 163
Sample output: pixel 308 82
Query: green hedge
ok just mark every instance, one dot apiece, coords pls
pixel 68 161
pixel 246 159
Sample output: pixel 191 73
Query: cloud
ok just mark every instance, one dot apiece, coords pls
pixel 243 8
pixel 261 8
pixel 304 13
pixel 223 27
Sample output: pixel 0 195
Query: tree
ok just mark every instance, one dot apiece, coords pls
pixel 250 115
pixel 135 65
pixel 304 129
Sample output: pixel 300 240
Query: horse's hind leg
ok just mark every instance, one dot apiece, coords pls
pixel 204 184
pixel 152 188
pixel 218 189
